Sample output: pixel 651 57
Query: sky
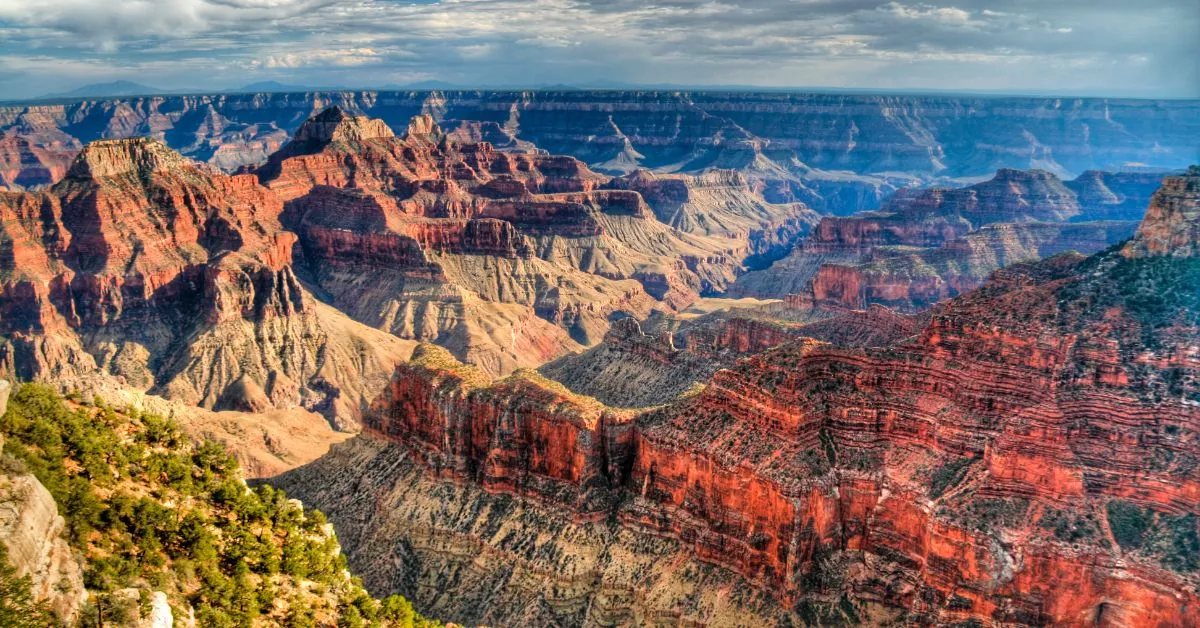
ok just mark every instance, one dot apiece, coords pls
pixel 1148 48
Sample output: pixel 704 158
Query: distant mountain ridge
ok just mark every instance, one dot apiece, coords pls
pixel 839 153
pixel 108 90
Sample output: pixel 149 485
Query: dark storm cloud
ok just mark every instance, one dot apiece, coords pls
pixel 1103 46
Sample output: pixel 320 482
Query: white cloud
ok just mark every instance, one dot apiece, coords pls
pixel 342 58
pixel 943 15
pixel 865 43
pixel 548 41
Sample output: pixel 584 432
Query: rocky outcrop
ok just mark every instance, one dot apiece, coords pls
pixel 159 615
pixel 927 245
pixel 1114 195
pixel 141 268
pixel 630 368
pixel 30 158
pixel 507 258
pixel 1027 459
pixel 638 368
pixel 723 203
pixel 1172 224
pixel 555 445
pixel 154 273
pixel 482 558
pixel 32 532
pixel 914 279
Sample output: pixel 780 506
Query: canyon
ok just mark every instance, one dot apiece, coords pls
pixel 600 358
pixel 301 284
pixel 1027 458
pixel 926 245
pixel 838 153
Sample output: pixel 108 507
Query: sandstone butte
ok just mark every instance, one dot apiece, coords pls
pixel 301 284
pixel 926 245
pixel 1029 458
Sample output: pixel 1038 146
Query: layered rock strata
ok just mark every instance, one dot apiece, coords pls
pixel 836 152
pixel 634 367
pixel 142 269
pixel 508 258
pixel 147 271
pixel 1027 459
pixel 925 246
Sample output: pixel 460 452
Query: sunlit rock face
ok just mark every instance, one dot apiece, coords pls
pixel 1172 224
pixel 1027 458
pixel 927 245
pixel 1023 454
pixel 837 153
pixel 141 269
pixel 509 258
pixel 302 283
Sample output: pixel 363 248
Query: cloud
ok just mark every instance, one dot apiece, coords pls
pixel 953 16
pixel 340 58
pixel 1021 45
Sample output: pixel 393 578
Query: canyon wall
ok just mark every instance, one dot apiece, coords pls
pixel 1029 458
pixel 140 269
pixel 637 368
pixel 926 245
pixel 792 139
pixel 508 258
pixel 300 284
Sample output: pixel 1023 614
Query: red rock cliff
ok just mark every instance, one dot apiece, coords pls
pixel 1028 459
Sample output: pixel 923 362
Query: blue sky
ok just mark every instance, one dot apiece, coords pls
pixel 1101 47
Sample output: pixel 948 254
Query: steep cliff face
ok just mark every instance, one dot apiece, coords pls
pixel 1114 195
pixel 147 270
pixel 637 368
pixel 1172 224
pixel 484 558
pixel 141 268
pixel 32 532
pixel 927 245
pixel 1027 459
pixel 25 162
pixel 723 203
pixel 509 258
pixel 914 279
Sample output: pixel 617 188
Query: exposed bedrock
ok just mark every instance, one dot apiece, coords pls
pixel 509 258
pixel 142 269
pixel 1029 458
pixel 845 152
pixel 301 284
pixel 926 245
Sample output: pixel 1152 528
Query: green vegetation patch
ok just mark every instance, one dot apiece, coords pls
pixel 18 609
pixel 1070 527
pixel 989 514
pixel 1129 523
pixel 149 509
pixel 1172 541
pixel 949 475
